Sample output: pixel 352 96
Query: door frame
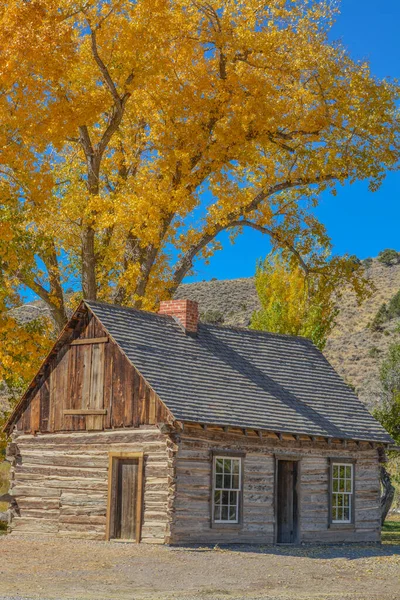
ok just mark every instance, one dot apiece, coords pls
pixel 296 459
pixel 113 458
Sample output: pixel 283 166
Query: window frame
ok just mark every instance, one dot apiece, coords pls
pixel 346 462
pixel 231 454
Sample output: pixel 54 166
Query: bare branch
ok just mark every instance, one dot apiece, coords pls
pixel 237 220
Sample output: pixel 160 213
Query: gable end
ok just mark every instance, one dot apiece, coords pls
pixel 87 383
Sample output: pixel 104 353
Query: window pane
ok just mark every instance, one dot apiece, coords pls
pixel 226 489
pixel 342 490
pixel 235 482
pixel 227 482
pixel 227 465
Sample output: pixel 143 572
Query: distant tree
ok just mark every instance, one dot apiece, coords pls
pixel 301 299
pixel 390 375
pixel 388 413
pixel 368 262
pixel 386 312
pixel 394 306
pixel 380 318
pixel 389 257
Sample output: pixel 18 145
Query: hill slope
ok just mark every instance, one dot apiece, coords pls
pixel 354 349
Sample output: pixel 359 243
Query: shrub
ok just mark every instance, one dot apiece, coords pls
pixel 389 257
pixel 367 262
pixel 380 318
pixel 212 317
pixel 394 306
pixel 374 352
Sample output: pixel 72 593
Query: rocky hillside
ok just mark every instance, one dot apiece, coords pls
pixel 354 348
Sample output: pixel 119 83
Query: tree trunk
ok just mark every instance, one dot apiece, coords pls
pixel 387 494
pixel 89 287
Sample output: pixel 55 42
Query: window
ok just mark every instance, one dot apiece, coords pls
pixel 227 489
pixel 342 492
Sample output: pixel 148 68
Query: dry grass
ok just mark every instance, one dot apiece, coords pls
pixel 4 472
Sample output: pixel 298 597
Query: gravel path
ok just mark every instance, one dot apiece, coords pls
pixel 56 569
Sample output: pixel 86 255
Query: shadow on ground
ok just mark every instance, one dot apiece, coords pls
pixel 345 551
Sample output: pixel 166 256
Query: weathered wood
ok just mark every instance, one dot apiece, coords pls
pixel 88 411
pixel 85 374
pixel 191 521
pixel 81 341
pixel 95 420
pixel 66 474
pixel 287 502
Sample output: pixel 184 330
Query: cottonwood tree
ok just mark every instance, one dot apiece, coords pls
pixel 134 133
pixel 302 299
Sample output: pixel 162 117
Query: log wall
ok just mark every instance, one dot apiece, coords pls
pixel 59 482
pixel 89 377
pixel 191 522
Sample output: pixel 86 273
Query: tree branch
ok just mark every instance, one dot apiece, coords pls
pixel 238 220
pixel 103 69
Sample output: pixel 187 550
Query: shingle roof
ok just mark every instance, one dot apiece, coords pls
pixel 240 377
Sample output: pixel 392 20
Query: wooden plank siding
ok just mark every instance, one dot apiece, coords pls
pixel 60 482
pixel 94 375
pixel 192 516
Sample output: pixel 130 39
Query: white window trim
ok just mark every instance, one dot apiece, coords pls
pixel 349 494
pixel 238 490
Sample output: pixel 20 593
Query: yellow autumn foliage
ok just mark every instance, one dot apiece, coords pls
pixel 134 133
pixel 303 300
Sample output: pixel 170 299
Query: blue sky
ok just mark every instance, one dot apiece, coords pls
pixel 359 222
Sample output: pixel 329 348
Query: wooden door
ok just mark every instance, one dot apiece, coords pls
pixel 125 499
pixel 286 502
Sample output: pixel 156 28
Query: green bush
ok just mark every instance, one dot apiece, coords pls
pixel 389 257
pixel 213 317
pixel 394 306
pixel 374 352
pixel 380 318
pixel 367 262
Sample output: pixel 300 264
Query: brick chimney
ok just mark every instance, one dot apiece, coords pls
pixel 185 311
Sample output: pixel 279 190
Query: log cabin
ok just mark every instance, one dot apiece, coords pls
pixel 157 428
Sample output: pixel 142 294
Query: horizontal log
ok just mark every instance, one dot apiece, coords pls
pixel 81 341
pixel 33 525
pixel 35 491
pixel 89 411
pixel 82 519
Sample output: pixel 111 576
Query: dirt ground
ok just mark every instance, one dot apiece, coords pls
pixel 52 569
